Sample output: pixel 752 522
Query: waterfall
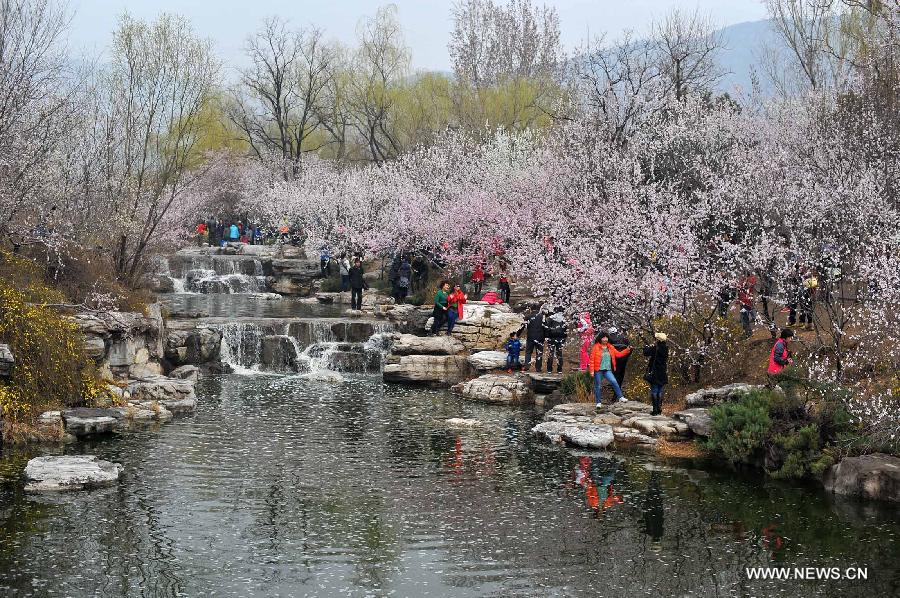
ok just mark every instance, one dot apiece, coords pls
pixel 241 347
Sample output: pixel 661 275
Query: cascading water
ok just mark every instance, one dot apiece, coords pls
pixel 241 347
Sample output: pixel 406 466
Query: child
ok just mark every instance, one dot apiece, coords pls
pixel 513 347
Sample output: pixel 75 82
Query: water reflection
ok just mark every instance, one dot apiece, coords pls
pixel 281 486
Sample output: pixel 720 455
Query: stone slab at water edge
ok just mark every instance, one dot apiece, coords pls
pixel 707 397
pixel 630 423
pixel 62 473
pixel 485 361
pixel 875 476
pixel 496 388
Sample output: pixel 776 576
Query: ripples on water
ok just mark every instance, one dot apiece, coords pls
pixel 281 486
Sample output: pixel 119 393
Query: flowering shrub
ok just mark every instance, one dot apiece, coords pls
pixel 51 368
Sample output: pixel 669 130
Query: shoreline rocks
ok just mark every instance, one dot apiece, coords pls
pixel 620 424
pixel 707 397
pixel 875 476
pixel 496 388
pixel 65 473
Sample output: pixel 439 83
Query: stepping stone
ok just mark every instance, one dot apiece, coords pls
pixel 54 474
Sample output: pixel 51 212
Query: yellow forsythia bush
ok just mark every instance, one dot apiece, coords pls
pixel 51 368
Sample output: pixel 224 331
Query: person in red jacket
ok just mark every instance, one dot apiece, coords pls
pixel 780 356
pixel 477 280
pixel 457 300
pixel 603 364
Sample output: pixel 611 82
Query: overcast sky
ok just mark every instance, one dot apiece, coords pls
pixel 426 23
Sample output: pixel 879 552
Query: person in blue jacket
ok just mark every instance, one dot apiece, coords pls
pixel 513 348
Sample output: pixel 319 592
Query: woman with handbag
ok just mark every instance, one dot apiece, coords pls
pixel 657 366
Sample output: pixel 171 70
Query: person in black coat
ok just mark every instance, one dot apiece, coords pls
pixel 534 339
pixel 657 370
pixel 555 330
pixel 618 340
pixel 357 284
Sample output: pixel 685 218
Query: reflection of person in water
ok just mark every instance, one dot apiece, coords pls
pixel 652 508
pixel 605 469
pixel 583 479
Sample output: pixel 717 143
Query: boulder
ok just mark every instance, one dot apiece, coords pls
pixel 595 436
pixel 875 476
pixel 52 474
pixel 295 276
pixel 407 319
pixel 433 370
pixel 186 372
pixel 485 327
pixel 544 383
pixel 94 347
pixel 496 388
pixel 157 283
pixel 657 425
pixel 706 397
pixel 697 419
pixel 407 344
pixel 633 437
pixel 175 395
pixel 484 361
pixel 591 436
pixel 85 421
pixel 7 361
pixel 192 344
pixel 551 430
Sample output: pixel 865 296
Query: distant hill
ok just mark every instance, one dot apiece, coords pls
pixel 744 43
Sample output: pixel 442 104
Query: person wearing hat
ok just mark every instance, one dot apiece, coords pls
pixel 657 370
pixel 780 356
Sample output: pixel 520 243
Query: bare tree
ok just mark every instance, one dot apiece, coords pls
pixel 145 128
pixel 491 43
pixel 618 84
pixel 686 46
pixel 282 96
pixel 380 63
pixel 35 113
pixel 806 27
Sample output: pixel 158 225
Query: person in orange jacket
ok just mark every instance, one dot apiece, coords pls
pixel 603 364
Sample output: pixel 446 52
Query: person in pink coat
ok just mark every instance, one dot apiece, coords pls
pixel 586 330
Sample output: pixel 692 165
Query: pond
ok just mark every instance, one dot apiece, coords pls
pixel 283 486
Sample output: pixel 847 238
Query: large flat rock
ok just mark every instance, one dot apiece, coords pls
pixel 408 344
pixel 589 436
pixel 485 361
pixel 54 474
pixel 496 388
pixel 83 422
pixel 697 419
pixel 486 327
pixel 431 370
pixel 706 397
pixel 875 476
pixel 175 395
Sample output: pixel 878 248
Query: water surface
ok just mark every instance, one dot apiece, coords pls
pixel 281 486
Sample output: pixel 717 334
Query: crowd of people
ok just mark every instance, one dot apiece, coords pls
pixel 216 232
